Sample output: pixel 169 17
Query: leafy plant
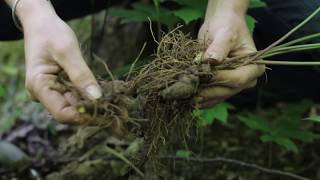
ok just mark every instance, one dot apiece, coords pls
pixel 189 10
pixel 284 127
pixel 210 115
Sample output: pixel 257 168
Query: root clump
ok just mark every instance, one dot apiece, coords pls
pixel 155 104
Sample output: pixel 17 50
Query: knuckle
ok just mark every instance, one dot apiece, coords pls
pixel 63 47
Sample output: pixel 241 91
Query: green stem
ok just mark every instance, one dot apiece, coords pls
pixel 289 49
pixel 291 63
pixel 287 35
pixel 305 38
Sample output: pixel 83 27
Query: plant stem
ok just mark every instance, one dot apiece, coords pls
pixel 305 38
pixel 291 63
pixel 287 35
pixel 289 49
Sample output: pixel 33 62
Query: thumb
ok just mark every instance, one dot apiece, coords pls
pixel 220 47
pixel 80 75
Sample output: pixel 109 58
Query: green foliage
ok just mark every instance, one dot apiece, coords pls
pixel 250 23
pixel 189 10
pixel 140 12
pixel 313 118
pixel 2 91
pixel 284 126
pixel 257 4
pixel 183 153
pixel 188 15
pixel 12 93
pixel 208 116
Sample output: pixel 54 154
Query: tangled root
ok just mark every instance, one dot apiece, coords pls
pixel 161 93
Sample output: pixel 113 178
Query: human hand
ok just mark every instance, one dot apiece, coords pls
pixel 227 35
pixel 51 47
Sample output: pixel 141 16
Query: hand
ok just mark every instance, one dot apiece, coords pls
pixel 50 47
pixel 227 35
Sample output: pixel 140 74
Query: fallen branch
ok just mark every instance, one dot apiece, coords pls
pixel 237 162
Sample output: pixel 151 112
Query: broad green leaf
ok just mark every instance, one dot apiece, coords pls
pixel 255 122
pixel 207 116
pixel 286 142
pixel 250 23
pixel 295 133
pixel 183 153
pixel 313 118
pixel 188 15
pixel 257 4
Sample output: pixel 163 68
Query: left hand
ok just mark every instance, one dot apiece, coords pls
pixel 227 35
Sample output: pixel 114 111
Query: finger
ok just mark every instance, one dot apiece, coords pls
pixel 220 47
pixel 70 98
pixel 79 73
pixel 240 76
pixel 54 101
pixel 217 92
pixel 58 106
pixel 214 95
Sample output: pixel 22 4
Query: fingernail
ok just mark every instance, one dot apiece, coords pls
pixel 213 59
pixel 93 92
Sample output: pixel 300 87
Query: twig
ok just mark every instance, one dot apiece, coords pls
pixel 239 163
pixel 136 60
pixel 151 31
pixel 105 65
pixel 123 158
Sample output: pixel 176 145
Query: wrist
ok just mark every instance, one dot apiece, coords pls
pixel 31 11
pixel 223 7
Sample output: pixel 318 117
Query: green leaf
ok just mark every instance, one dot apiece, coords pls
pixel 200 5
pixel 294 131
pixel 129 15
pixel 147 8
pixel 207 116
pixel 255 122
pixel 257 4
pixel 313 118
pixel 251 22
pixel 286 142
pixel 2 91
pixel 188 15
pixel 183 153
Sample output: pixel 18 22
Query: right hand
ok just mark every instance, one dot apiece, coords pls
pixel 51 47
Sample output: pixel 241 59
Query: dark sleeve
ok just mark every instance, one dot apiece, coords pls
pixel 66 9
